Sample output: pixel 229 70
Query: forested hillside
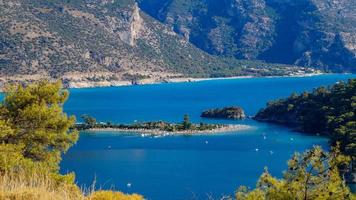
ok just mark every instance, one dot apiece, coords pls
pixel 328 111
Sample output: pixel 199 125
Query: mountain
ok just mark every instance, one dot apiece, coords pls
pixel 104 42
pixel 313 33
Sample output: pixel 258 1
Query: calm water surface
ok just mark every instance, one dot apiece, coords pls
pixel 183 167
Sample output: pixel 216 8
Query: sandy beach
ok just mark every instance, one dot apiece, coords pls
pixel 89 84
pixel 79 83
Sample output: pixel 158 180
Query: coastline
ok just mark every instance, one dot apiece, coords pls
pixel 158 132
pixel 86 84
pixel 82 84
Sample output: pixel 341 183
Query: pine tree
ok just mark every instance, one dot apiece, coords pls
pixel 311 175
pixel 31 117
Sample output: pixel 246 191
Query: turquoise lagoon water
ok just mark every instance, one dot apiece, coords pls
pixel 185 167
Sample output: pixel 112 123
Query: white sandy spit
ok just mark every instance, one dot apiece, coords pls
pixel 223 129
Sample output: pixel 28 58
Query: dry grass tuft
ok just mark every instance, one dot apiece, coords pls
pixel 22 186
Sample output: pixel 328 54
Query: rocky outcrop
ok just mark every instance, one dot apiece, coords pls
pixel 225 113
pixel 134 25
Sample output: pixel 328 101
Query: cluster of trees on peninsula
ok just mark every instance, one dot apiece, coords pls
pixel 91 123
pixel 327 111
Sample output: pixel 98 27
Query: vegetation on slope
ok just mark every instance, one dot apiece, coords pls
pixel 315 174
pixel 310 176
pixel 326 110
pixel 34 132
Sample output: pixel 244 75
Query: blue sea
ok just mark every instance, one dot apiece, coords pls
pixel 185 167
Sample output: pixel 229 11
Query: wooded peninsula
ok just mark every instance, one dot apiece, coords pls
pixel 158 127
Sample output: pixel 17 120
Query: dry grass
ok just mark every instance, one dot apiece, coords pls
pixel 21 186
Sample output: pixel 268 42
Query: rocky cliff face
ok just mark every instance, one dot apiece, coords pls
pixel 324 33
pixel 134 25
pixel 316 33
pixel 237 28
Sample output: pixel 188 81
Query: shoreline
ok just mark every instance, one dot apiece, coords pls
pixel 83 85
pixel 158 132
